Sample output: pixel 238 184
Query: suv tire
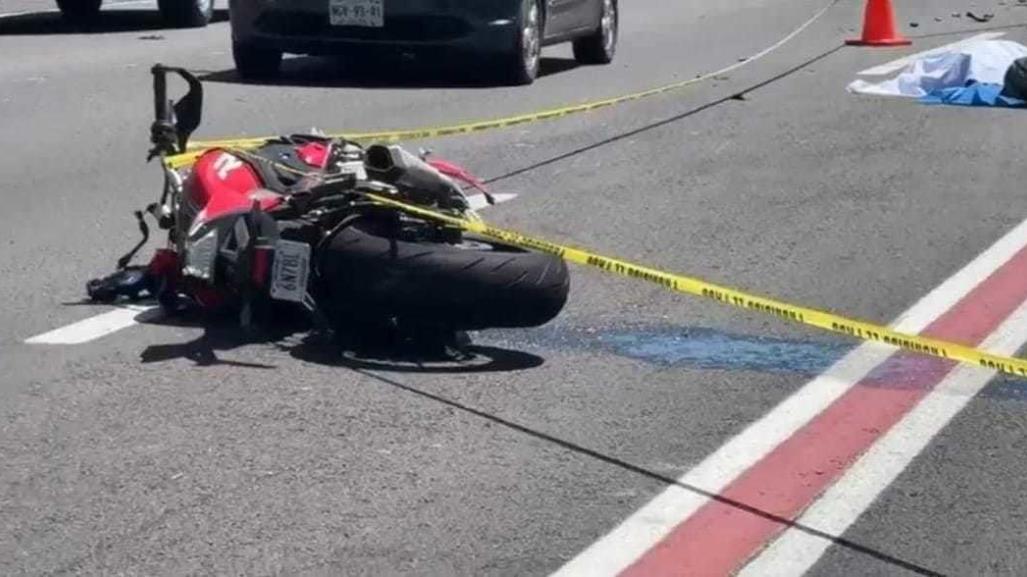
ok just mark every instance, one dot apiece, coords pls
pixel 600 46
pixel 186 13
pixel 79 11
pixel 254 62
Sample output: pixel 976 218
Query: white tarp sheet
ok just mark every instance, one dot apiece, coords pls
pixel 985 62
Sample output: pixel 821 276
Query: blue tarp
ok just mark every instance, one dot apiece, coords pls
pixel 976 94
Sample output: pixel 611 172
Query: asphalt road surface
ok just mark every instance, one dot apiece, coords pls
pixel 642 433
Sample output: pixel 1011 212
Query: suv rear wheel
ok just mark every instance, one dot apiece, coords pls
pixel 254 62
pixel 79 11
pixel 521 64
pixel 186 13
pixel 600 46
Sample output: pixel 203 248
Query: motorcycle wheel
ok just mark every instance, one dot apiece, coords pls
pixel 367 276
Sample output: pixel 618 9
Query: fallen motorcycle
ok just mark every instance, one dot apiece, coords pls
pixel 289 225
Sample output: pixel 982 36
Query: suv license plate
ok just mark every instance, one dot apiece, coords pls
pixel 366 13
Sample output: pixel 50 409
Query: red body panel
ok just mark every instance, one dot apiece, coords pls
pixel 315 154
pixel 458 172
pixel 224 184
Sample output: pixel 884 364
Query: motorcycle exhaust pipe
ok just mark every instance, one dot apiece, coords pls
pixel 390 162
pixel 422 182
pixel 378 159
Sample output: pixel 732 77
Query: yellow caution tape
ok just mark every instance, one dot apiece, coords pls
pixel 196 148
pixel 733 297
pixel 199 147
pixel 729 296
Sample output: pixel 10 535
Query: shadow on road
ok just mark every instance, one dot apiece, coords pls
pixel 303 342
pixel 202 351
pixel 110 21
pixel 381 71
pixel 219 335
pixel 474 359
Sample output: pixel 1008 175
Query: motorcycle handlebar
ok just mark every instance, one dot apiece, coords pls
pixel 161 104
pixel 174 122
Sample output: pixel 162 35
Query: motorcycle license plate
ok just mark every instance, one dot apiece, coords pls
pixel 291 271
pixel 366 13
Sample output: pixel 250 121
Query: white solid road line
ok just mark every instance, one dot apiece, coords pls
pixel 95 327
pixel 641 531
pixel 795 551
pixel 896 65
pixel 646 527
pixel 125 317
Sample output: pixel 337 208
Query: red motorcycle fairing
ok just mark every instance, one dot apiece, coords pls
pixel 458 172
pixel 314 153
pixel 220 187
pixel 223 184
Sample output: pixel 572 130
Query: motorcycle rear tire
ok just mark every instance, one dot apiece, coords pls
pixel 366 276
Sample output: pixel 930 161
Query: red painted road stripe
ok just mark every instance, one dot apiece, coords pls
pixel 719 539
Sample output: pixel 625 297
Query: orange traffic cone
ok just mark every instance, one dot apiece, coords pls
pixel 879 26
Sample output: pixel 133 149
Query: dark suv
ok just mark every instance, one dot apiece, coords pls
pixel 178 13
pixel 509 34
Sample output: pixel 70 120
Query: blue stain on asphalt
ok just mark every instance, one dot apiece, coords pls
pixel 1006 388
pixel 710 349
pixel 705 348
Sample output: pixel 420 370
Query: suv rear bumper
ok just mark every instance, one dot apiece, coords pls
pixel 300 29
